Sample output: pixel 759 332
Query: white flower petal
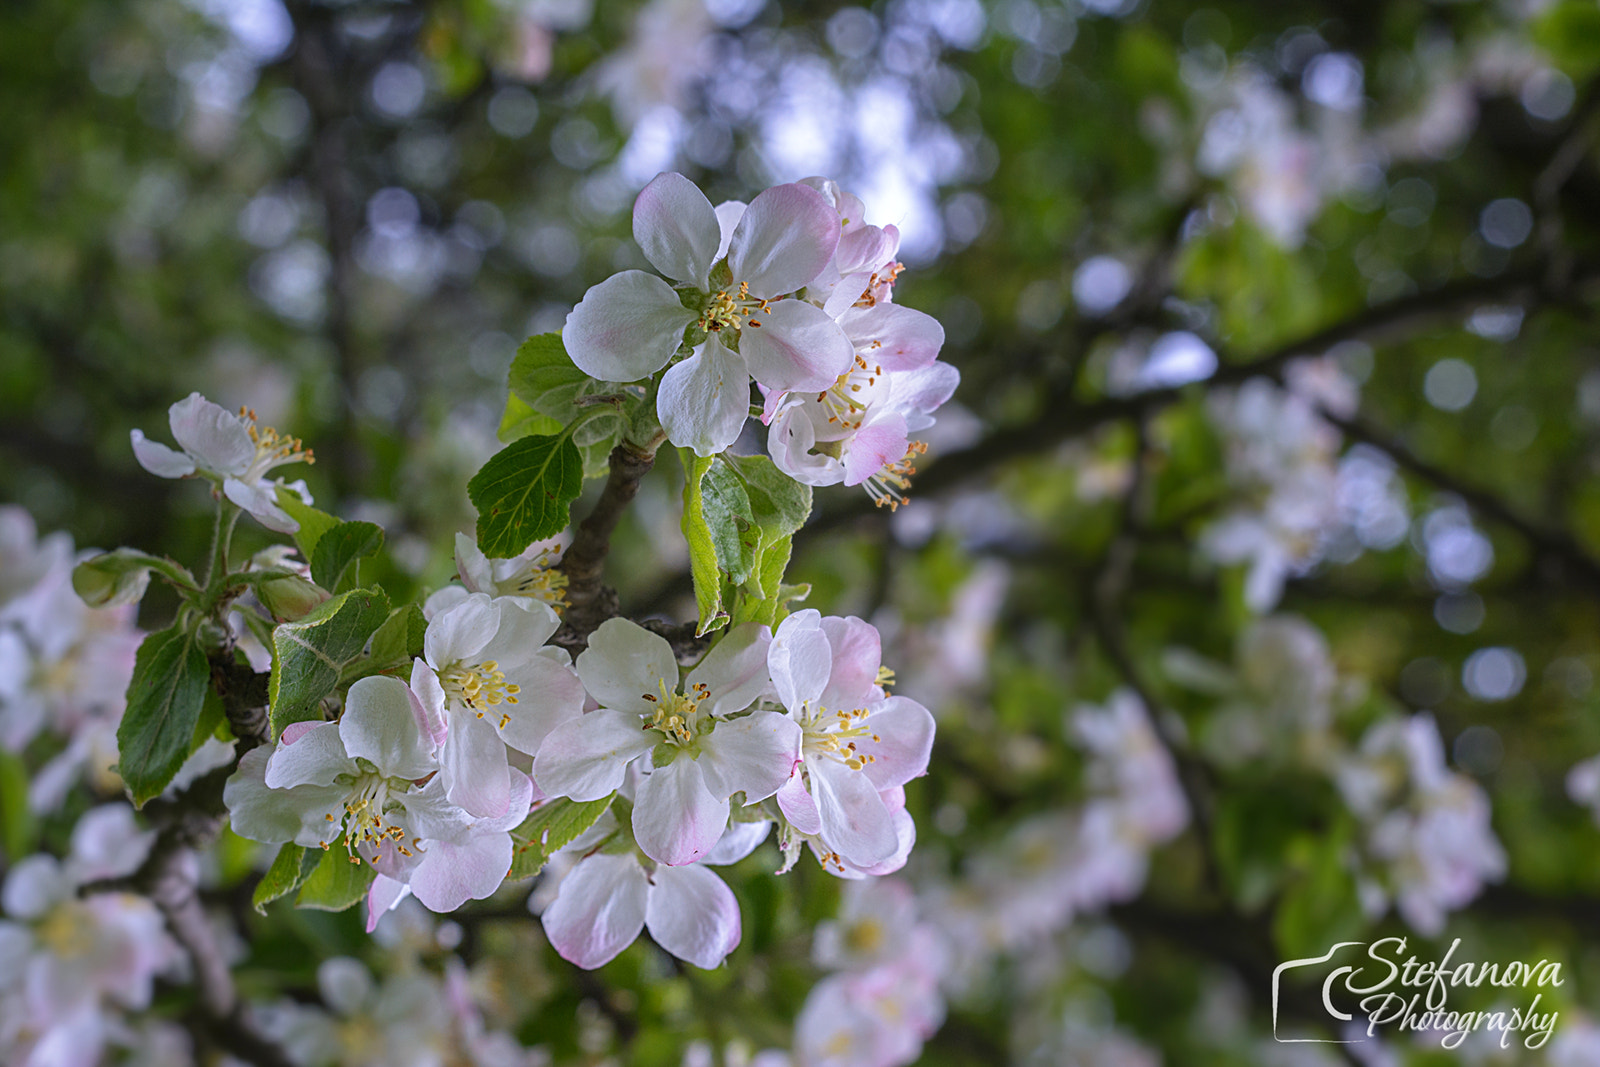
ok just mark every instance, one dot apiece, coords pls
pixel 599 910
pixel 586 758
pixel 461 632
pixel 677 228
pixel 796 347
pixel 704 400
pixel 476 775
pixel 904 730
pixel 158 459
pixel 797 806
pixel 625 328
pixel 784 239
pixel 753 755
pixel 735 670
pixel 729 212
pixel 551 695
pixel 454 872
pixel 473 566
pixel 624 663
pixel 894 337
pixel 260 499
pixel 741 839
pixel 855 822
pixel 435 722
pixel 799 659
pixel 317 757
pixel 380 725
pixel 214 437
pixel 857 654
pixel 693 915
pixel 676 819
pixel 35 885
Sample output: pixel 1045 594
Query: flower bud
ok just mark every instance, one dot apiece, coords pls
pixel 290 597
pixel 110 579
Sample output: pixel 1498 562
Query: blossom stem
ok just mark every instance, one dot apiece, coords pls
pixel 216 578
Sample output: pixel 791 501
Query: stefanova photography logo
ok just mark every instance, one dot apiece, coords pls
pixel 1378 986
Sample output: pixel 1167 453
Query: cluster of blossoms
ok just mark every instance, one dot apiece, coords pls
pixel 797 722
pixel 1060 864
pixel 72 963
pixel 410 1019
pixel 1427 827
pixel 63 665
pixel 795 291
pixel 883 999
pixel 1282 460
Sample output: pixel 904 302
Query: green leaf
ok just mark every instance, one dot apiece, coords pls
pixel 309 655
pixel 170 677
pixel 336 882
pixel 554 825
pixel 702 551
pixel 520 420
pixel 289 870
pixel 341 546
pixel 399 639
pixel 763 601
pixel 19 830
pixel 525 493
pixel 734 533
pixel 313 523
pixel 544 377
pixel 780 504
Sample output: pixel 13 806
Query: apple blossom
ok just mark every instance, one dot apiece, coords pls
pixel 857 741
pixel 700 749
pixel 230 449
pixel 486 682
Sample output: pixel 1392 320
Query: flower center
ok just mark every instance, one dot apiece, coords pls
pixel 833 735
pixel 843 401
pixel 889 485
pixel 66 930
pixel 478 687
pixel 725 310
pixel 677 716
pixel 879 286
pixel 272 449
pixel 366 820
pixel 537 579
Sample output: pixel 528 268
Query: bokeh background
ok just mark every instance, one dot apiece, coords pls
pixel 1280 416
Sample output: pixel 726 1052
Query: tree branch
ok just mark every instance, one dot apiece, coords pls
pixel 589 601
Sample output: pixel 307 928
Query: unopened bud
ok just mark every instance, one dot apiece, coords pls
pixel 110 579
pixel 290 597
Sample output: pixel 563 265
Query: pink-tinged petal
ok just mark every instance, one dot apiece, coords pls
pixel 893 337
pixel 843 293
pixel 857 654
pixel 799 659
pixel 260 499
pixel 855 822
pixel 158 459
pixel 797 806
pixel 551 695
pixel 317 758
pixel 586 758
pixel 522 797
pixel 460 633
pixel 473 566
pixel 296 730
pixel 785 238
pixel 380 725
pixel 866 248
pixel 430 814
pixel 919 392
pixel 796 347
pixel 692 914
pixel 213 436
pixel 905 732
pixel 625 328
pixel 598 911
pixel 476 775
pixel 789 443
pixel 741 839
pixel 704 400
pixel 384 896
pixel 905 830
pixel 729 212
pixel 454 872
pixel 676 227
pixel 624 663
pixel 735 670
pixel 433 721
pixel 753 755
pixel 876 445
pixel 676 819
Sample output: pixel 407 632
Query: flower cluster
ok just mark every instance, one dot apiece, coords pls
pixel 63 666
pixel 1427 827
pixel 72 962
pixel 795 291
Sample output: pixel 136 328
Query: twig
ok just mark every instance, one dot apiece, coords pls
pixel 589 601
